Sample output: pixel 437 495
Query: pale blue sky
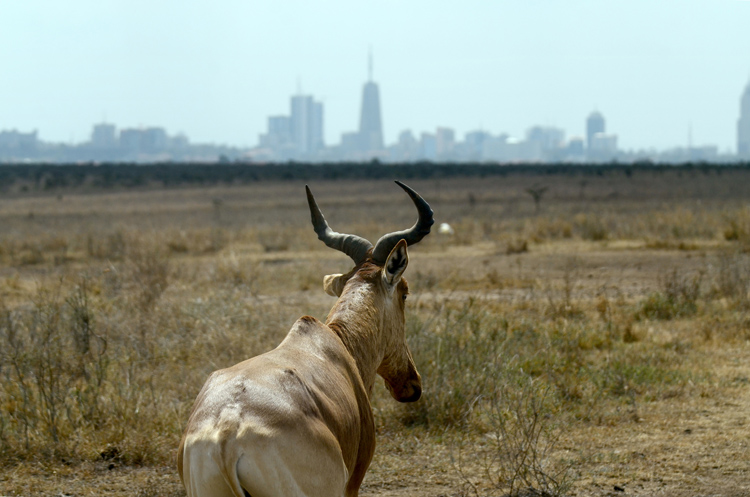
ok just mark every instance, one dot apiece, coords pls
pixel 216 70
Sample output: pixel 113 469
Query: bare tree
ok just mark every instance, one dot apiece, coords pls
pixel 537 192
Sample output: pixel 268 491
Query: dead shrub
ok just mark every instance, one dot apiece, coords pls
pixel 561 302
pixel 591 227
pixel 109 246
pixel 521 439
pixel 54 365
pixel 453 348
pixel 677 297
pixel 275 240
pixel 30 254
pixel 516 246
pixel 730 278
pixel 735 231
pixel 148 268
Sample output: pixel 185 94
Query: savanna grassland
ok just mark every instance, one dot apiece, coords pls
pixel 577 334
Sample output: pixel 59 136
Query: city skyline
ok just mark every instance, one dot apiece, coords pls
pixel 304 130
pixel 299 137
pixel 539 144
pixel 658 69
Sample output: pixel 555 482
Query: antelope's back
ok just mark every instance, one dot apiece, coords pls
pixel 294 412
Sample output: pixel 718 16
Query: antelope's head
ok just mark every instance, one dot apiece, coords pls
pixel 375 291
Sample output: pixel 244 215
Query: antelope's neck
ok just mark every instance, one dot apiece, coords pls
pixel 356 320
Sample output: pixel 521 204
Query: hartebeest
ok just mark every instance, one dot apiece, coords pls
pixel 297 421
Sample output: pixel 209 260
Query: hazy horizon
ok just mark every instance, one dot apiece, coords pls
pixel 654 69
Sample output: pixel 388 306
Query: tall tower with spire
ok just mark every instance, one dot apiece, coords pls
pixel 370 124
pixel 743 126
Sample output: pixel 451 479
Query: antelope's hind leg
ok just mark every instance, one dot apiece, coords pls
pixel 304 472
pixel 202 473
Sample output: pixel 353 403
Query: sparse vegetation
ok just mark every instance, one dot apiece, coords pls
pixel 545 339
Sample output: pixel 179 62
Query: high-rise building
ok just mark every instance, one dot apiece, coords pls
pixel 279 132
pixel 594 125
pixel 103 136
pixel 140 140
pixel 154 139
pixel 576 147
pixel 131 139
pixel 407 147
pixel 546 138
pixel 301 115
pixel 428 146
pixel 370 124
pixel 544 143
pixel 475 142
pixel 445 141
pixel 306 124
pixel 14 144
pixel 743 126
pixel 603 146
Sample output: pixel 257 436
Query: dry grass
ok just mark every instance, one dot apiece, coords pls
pixel 548 341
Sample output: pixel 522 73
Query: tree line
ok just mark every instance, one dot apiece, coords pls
pixel 51 177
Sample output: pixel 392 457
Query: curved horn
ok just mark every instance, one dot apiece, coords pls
pixel 354 246
pixel 413 235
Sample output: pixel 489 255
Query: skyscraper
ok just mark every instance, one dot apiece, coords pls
pixel 445 141
pixel 370 125
pixel 743 126
pixel 594 125
pixel 306 124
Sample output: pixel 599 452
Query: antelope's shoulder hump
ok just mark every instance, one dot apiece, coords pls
pixel 308 332
pixel 306 325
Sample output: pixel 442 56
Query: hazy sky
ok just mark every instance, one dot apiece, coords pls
pixel 216 70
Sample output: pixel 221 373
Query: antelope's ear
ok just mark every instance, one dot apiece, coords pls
pixel 333 284
pixel 395 264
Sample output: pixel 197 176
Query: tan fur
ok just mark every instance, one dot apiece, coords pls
pixel 297 421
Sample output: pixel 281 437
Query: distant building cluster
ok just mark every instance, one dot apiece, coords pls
pixel 106 144
pixel 540 143
pixel 282 141
pixel 299 136
pixel 134 143
pixel 16 144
